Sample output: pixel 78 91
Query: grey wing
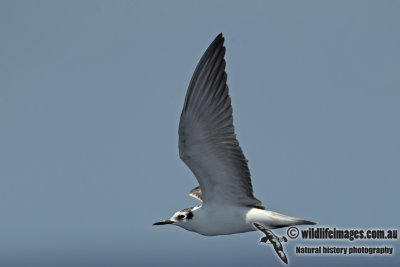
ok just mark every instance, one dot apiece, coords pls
pixel 207 139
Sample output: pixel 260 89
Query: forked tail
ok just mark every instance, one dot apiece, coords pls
pixel 280 220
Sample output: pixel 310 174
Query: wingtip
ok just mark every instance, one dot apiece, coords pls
pixel 220 38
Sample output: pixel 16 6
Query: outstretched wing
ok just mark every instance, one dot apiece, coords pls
pixel 207 139
pixel 262 229
pixel 281 254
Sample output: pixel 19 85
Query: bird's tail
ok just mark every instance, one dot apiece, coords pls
pixel 280 220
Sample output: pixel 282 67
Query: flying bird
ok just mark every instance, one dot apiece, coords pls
pixel 208 146
pixel 274 240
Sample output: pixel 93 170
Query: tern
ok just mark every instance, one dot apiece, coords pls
pixel 208 146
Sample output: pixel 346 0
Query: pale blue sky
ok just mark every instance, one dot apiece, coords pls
pixel 90 98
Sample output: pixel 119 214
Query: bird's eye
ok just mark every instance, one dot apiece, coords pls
pixel 181 216
pixel 189 215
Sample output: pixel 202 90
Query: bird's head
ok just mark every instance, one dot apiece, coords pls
pixel 180 218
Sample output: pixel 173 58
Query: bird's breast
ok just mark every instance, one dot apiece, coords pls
pixel 222 220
